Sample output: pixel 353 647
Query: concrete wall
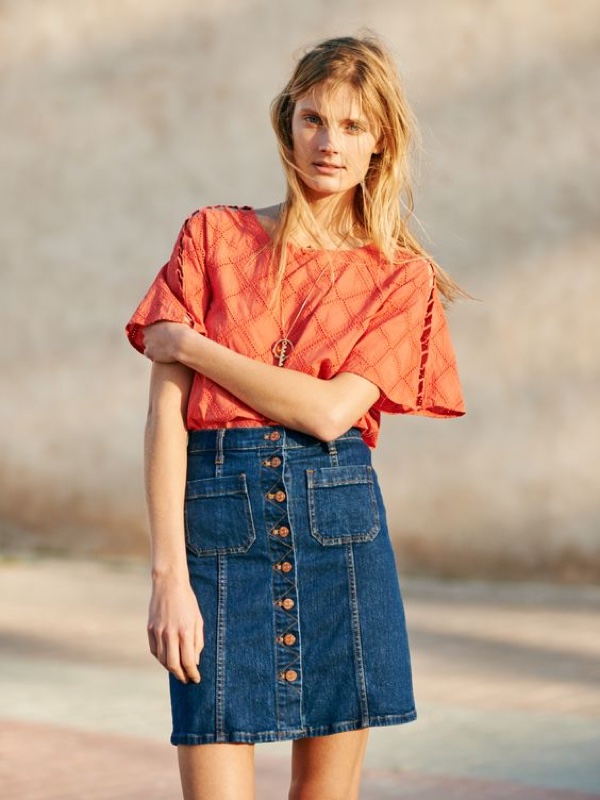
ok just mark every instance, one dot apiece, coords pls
pixel 119 118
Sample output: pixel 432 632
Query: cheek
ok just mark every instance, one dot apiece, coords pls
pixel 361 159
pixel 300 144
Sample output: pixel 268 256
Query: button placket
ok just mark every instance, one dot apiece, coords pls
pixel 285 606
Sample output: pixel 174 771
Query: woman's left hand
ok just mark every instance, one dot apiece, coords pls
pixel 163 341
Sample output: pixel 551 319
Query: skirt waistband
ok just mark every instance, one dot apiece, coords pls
pixel 253 437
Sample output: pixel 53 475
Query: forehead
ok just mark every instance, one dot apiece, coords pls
pixel 338 101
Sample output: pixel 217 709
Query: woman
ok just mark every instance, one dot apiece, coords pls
pixel 278 337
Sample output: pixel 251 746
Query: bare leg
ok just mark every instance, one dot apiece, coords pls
pixel 328 767
pixel 221 771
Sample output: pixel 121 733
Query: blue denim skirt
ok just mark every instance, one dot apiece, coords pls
pixel 290 558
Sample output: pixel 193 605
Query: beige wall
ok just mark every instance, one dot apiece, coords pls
pixel 119 118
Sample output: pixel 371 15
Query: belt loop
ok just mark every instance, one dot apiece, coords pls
pixel 333 453
pixel 220 458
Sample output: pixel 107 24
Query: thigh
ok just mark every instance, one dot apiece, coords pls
pixel 223 771
pixel 328 767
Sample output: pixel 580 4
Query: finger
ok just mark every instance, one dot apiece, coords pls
pixel 173 661
pixel 189 658
pixel 161 649
pixel 199 639
pixel 152 642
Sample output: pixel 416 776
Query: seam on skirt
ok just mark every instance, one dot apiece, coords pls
pixel 293 733
pixel 357 647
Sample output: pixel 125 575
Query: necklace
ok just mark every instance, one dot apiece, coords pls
pixel 283 347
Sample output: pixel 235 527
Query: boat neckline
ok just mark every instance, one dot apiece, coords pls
pixel 300 248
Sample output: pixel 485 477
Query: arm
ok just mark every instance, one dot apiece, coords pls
pixel 321 408
pixel 174 619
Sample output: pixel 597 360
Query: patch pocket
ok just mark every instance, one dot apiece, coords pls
pixel 342 504
pixel 218 517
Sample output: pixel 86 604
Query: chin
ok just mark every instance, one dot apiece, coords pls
pixel 324 189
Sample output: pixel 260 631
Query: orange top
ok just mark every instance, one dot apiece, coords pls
pixel 379 320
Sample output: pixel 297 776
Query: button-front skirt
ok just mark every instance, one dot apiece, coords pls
pixel 290 558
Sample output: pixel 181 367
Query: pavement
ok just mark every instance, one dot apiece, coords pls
pixel 507 680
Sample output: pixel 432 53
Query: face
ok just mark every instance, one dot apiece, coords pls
pixel 333 141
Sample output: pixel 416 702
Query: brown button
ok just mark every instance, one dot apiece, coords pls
pixel 274 436
pixel 279 639
pixel 286 566
pixel 288 603
pixel 270 495
pixel 289 638
pixel 276 462
pixel 291 675
pixel 283 531
pixel 280 496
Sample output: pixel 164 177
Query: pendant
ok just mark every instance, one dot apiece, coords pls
pixel 280 350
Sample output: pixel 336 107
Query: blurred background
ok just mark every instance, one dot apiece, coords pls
pixel 120 118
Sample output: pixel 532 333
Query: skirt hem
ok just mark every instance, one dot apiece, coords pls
pixel 298 733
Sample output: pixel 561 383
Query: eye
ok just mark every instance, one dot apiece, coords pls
pixel 312 119
pixel 354 127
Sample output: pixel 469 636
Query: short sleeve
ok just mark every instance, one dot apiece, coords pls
pixel 407 352
pixel 179 293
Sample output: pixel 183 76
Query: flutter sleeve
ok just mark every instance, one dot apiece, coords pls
pixel 406 349
pixel 180 291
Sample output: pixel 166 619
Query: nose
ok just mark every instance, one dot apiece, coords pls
pixel 328 143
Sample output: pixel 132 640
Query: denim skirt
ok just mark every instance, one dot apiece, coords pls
pixel 290 558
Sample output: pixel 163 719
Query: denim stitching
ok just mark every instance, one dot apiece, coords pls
pixel 356 634
pixel 298 733
pixel 333 453
pixel 220 458
pixel 220 648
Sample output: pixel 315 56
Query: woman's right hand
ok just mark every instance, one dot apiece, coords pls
pixel 175 628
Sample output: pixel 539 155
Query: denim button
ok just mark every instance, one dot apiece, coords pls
pixel 274 436
pixel 280 496
pixel 291 675
pixel 283 531
pixel 289 638
pixel 288 603
pixel 276 462
pixel 286 566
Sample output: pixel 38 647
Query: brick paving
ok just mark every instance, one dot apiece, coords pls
pixel 507 681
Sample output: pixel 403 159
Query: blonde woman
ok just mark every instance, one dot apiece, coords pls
pixel 278 336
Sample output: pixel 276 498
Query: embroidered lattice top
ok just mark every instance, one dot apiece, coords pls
pixel 379 320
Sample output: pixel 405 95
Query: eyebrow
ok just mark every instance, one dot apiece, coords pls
pixel 309 110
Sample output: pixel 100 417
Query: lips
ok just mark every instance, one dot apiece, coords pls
pixel 326 167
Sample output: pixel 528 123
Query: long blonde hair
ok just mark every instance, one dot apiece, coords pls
pixel 383 203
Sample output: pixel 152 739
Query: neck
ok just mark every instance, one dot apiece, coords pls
pixel 332 212
pixel 327 220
